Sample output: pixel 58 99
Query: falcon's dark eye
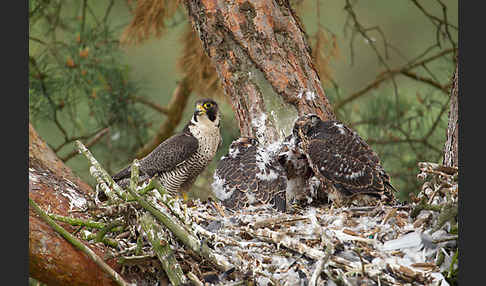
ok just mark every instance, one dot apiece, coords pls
pixel 207 105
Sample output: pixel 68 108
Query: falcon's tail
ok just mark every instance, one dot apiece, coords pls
pixel 390 193
pixel 390 187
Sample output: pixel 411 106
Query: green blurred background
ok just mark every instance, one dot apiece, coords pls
pixel 151 70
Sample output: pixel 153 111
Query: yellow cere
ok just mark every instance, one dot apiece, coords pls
pixel 201 108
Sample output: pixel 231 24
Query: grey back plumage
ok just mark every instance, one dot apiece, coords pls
pixel 164 157
pixel 169 154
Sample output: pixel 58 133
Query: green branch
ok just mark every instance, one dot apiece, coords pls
pixel 78 222
pixel 105 240
pixel 100 236
pixel 161 247
pixel 183 234
pixel 102 176
pixel 78 244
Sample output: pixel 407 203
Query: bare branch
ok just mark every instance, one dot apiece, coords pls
pixel 385 76
pixel 429 81
pixel 151 104
pixel 97 137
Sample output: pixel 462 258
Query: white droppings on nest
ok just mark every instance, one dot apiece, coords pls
pixel 75 199
pixel 85 233
pixel 289 278
pixel 441 281
pixel 263 281
pixel 310 96
pixel 348 232
pixel 409 240
pixel 285 248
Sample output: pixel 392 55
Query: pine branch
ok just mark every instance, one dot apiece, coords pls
pixel 188 239
pixel 161 247
pixel 78 222
pixel 96 138
pixel 102 176
pixel 387 75
pixel 78 244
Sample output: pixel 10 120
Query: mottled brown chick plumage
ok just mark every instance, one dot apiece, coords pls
pixel 246 176
pixel 342 160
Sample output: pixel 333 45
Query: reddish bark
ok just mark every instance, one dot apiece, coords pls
pixel 53 186
pixel 256 41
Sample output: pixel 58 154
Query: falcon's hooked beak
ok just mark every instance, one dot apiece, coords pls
pixel 207 107
pixel 200 109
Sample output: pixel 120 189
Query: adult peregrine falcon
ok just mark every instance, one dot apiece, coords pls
pixel 247 176
pixel 342 160
pixel 181 158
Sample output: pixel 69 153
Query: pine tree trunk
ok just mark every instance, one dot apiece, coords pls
pixel 54 187
pixel 262 58
pixel 451 156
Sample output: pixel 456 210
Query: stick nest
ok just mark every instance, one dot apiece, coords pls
pixel 314 245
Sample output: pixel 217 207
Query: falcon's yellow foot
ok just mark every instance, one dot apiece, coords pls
pixel 183 195
pixel 183 206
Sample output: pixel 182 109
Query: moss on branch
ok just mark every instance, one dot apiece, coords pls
pixel 78 244
pixel 161 247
